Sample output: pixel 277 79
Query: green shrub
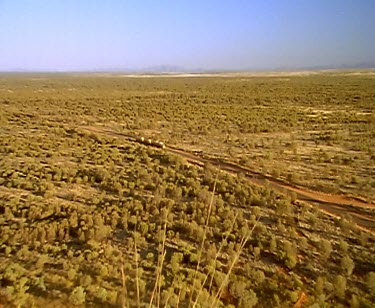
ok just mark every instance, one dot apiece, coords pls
pixel 78 296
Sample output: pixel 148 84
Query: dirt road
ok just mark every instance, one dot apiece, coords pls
pixel 335 205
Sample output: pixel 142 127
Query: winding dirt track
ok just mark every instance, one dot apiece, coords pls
pixel 334 205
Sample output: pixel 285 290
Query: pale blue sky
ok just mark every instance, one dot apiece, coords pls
pixel 100 35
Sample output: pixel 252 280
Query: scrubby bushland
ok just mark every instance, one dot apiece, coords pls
pixel 87 218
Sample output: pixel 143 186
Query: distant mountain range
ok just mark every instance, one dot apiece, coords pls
pixel 359 65
pixel 169 69
pixel 166 69
pixel 163 69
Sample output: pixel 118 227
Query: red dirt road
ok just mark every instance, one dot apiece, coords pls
pixel 335 205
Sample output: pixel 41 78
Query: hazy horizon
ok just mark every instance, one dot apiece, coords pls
pixel 191 35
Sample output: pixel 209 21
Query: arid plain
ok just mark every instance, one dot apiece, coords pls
pixel 262 196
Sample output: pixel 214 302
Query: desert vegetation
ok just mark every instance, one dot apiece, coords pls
pixel 90 218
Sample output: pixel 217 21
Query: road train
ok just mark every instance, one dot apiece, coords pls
pixel 155 143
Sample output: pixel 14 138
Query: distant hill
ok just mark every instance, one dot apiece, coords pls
pixel 160 69
pixel 163 69
pixel 167 69
pixel 359 65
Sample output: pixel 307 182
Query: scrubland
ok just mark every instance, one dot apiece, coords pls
pixel 90 218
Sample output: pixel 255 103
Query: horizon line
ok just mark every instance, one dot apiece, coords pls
pixel 197 71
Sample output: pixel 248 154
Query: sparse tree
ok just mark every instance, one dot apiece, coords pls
pixel 340 286
pixel 370 282
pixel 326 248
pixel 78 296
pixel 319 285
pixel 343 246
pixel 347 265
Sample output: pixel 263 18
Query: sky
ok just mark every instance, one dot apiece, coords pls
pixel 89 35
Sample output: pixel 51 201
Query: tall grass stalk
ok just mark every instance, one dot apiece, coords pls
pixel 136 268
pixel 124 289
pixel 161 256
pixel 179 296
pixel 204 237
pixel 243 242
pixel 216 256
pixel 201 288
